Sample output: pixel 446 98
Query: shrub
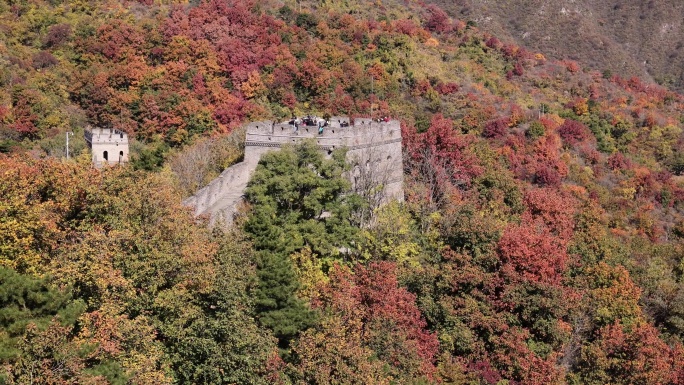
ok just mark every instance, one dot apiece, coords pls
pixel 438 20
pixel 495 128
pixel 546 175
pixel 57 35
pixel 535 130
pixel 617 161
pixel 44 59
pixel 573 132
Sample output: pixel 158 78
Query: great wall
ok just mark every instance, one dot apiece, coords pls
pixel 374 153
pixel 108 146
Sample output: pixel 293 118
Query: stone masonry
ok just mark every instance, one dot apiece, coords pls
pixel 108 146
pixel 374 151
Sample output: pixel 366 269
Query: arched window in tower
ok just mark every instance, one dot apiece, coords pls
pixel 105 156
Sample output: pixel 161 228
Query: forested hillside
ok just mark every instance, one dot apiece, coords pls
pixel 630 38
pixel 540 240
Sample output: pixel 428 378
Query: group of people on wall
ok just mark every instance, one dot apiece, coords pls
pixel 321 123
pixel 309 121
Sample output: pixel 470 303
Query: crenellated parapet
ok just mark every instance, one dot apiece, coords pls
pixel 360 133
pixel 374 152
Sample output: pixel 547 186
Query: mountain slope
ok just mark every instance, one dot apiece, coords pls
pixel 540 240
pixel 629 38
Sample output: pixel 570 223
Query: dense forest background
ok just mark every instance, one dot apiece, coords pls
pixel 540 240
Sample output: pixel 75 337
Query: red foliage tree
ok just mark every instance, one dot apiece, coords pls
pixel 518 69
pixel 510 50
pixel 536 248
pixel 532 253
pixel 406 27
pixel 438 20
pixel 117 37
pixel 494 43
pixel 629 354
pixel 573 132
pixel 447 88
pixel 546 175
pixel 553 209
pixel 439 158
pixel 57 35
pixel 495 128
pixel 44 59
pixel 391 322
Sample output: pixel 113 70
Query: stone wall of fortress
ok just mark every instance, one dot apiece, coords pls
pixel 374 151
pixel 107 145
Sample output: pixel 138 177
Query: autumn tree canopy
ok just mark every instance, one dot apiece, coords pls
pixel 539 240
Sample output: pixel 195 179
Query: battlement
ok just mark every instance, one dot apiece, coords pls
pixel 359 133
pixel 105 135
pixel 108 146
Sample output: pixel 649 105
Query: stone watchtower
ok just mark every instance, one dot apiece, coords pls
pixel 374 154
pixel 108 146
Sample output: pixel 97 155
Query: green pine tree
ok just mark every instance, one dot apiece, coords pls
pixel 28 303
pixel 218 341
pixel 299 199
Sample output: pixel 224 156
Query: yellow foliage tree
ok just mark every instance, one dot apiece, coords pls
pixel 253 86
